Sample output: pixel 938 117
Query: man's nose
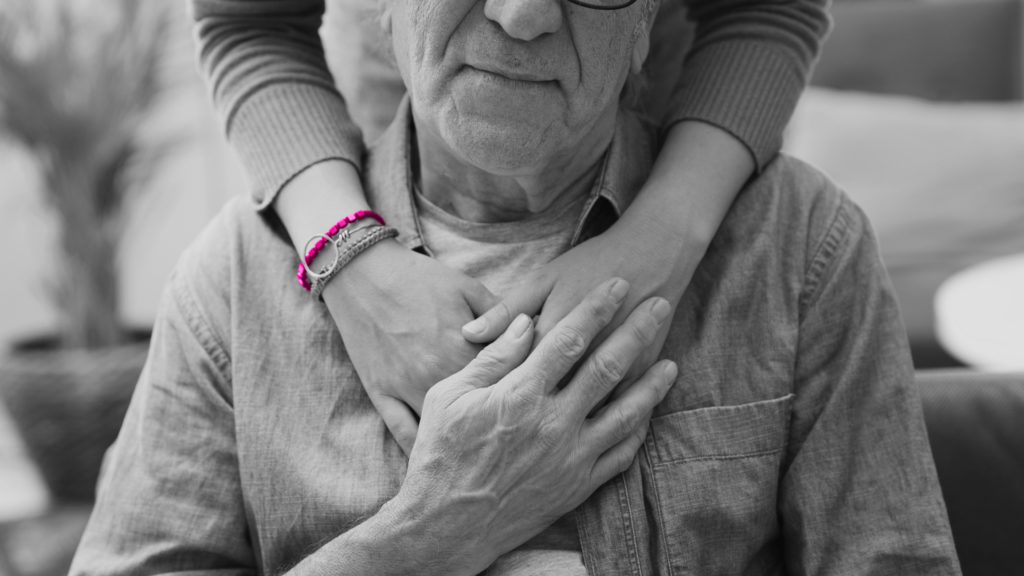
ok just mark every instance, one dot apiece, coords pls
pixel 525 19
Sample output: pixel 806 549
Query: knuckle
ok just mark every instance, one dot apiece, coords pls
pixel 518 398
pixel 435 394
pixel 623 423
pixel 603 310
pixel 550 429
pixel 570 343
pixel 608 367
pixel 642 332
pixel 489 360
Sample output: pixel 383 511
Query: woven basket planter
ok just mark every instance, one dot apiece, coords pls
pixel 68 406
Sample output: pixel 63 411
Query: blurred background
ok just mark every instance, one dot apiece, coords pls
pixel 111 161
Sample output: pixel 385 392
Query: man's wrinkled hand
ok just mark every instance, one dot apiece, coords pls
pixel 503 450
pixel 399 315
pixel 652 266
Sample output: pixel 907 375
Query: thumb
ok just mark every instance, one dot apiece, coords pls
pixel 400 420
pixel 527 298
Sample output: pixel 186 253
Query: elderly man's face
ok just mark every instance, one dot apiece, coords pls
pixel 512 85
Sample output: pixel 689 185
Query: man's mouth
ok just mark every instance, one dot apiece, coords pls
pixel 518 76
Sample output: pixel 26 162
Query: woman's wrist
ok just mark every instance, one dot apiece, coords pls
pixel 318 197
pixel 366 270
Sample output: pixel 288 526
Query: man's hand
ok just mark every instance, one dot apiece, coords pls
pixel 399 315
pixel 503 452
pixel 652 265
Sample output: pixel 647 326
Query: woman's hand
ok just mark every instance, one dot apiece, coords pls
pixel 503 452
pixel 399 314
pixel 652 265
pixel 657 243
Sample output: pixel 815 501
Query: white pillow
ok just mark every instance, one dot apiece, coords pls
pixel 943 183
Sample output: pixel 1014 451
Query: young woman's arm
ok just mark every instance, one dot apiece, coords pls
pixel 737 89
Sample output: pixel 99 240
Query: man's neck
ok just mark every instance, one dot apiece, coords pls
pixel 473 194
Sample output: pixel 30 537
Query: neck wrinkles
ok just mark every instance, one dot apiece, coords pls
pixel 476 195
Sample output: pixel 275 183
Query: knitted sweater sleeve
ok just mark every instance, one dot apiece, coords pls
pixel 748 65
pixel 265 66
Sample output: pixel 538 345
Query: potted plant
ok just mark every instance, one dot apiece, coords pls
pixel 77 84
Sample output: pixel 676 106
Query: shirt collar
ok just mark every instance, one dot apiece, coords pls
pixel 625 166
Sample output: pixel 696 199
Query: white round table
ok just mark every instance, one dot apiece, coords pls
pixel 979 314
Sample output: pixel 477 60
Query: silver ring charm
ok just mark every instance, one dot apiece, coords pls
pixel 326 270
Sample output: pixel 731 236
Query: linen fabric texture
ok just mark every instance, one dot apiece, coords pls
pixel 791 443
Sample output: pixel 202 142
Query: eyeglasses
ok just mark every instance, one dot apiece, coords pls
pixel 604 4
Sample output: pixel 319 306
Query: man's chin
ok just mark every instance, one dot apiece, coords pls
pixel 501 148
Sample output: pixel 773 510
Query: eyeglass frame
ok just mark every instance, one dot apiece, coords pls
pixel 585 4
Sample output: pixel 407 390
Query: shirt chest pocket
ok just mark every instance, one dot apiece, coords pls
pixel 711 481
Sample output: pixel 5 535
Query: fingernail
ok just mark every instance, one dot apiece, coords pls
pixel 660 310
pixel 618 289
pixel 670 370
pixel 475 326
pixel 520 325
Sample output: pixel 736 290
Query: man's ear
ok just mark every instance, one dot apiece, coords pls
pixel 641 48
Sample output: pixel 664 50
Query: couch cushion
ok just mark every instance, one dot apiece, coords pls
pixel 942 183
pixel 976 427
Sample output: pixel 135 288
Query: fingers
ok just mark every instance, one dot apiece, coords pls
pixel 480 300
pixel 527 298
pixel 622 424
pixel 618 459
pixel 501 356
pixel 611 361
pixel 566 343
pixel 400 420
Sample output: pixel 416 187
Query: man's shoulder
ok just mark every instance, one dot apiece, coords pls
pixel 797 209
pixel 796 194
pixel 239 247
pixel 228 242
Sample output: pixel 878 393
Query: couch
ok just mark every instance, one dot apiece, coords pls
pixel 976 427
pixel 917 111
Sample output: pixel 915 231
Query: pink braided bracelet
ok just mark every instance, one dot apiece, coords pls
pixel 301 276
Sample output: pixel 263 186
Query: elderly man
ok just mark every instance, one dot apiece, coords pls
pixel 789 440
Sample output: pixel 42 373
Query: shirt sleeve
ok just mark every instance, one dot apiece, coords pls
pixel 859 492
pixel 265 66
pixel 749 63
pixel 170 498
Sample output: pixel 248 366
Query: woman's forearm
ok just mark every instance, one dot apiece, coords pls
pixel 698 174
pixel 317 197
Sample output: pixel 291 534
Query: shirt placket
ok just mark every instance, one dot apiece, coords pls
pixel 613 528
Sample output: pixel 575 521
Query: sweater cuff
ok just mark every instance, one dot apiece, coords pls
pixel 744 88
pixel 282 129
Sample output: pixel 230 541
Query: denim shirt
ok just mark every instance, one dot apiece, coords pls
pixel 792 442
